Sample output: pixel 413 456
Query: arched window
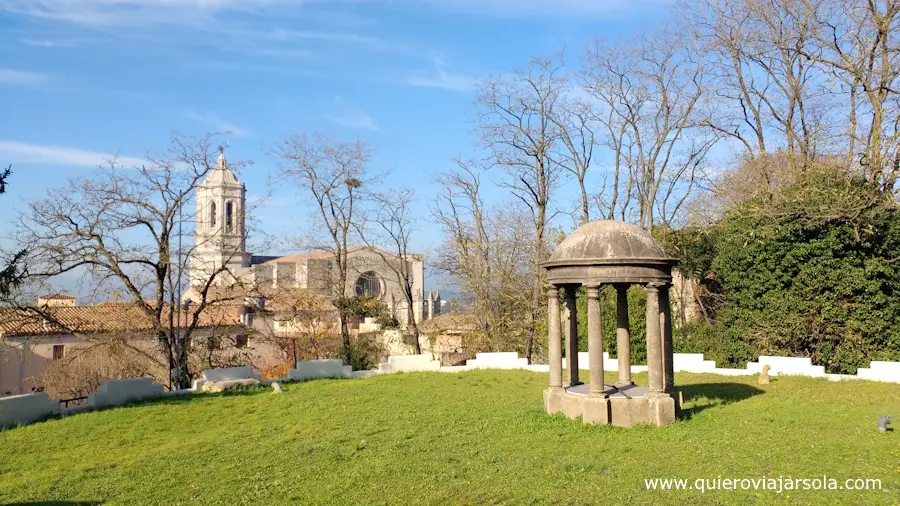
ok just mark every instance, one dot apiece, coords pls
pixel 368 285
pixel 212 215
pixel 229 217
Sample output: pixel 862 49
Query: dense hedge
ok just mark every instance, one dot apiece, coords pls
pixel 812 271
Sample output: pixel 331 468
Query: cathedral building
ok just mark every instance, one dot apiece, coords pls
pixel 220 253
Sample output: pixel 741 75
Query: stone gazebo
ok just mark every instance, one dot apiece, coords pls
pixel 616 253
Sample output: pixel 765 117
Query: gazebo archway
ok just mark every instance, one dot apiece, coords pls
pixel 614 253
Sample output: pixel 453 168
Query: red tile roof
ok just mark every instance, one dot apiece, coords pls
pixel 57 296
pixel 103 318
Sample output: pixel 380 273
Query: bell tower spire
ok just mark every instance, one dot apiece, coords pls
pixel 221 236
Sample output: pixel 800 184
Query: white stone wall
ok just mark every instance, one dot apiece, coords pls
pixel 502 360
pixel 23 409
pixel 317 369
pixel 26 408
pixel 409 363
pixel 118 392
pixel 881 371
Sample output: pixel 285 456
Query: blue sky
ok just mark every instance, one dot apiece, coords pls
pixel 83 79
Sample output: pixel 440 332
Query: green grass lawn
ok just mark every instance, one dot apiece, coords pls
pixel 469 438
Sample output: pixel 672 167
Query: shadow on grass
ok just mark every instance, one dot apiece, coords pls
pixel 717 394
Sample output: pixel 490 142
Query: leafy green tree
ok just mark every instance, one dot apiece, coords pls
pixel 10 276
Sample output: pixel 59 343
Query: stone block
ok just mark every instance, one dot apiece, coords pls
pixel 317 369
pixel 231 373
pixel 661 408
pixel 596 410
pixel 221 386
pixel 627 412
pixel 26 408
pixel 347 371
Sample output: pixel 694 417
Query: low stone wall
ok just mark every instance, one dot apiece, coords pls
pixel 502 360
pixel 317 369
pixel 26 408
pixel 787 365
pixel 118 392
pixel 409 363
pixel 881 371
pixel 692 362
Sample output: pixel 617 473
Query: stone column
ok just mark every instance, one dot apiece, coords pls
pixel 595 341
pixel 554 340
pixel 665 322
pixel 654 341
pixel 572 337
pixel 623 336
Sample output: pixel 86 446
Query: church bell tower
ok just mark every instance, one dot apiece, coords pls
pixel 220 237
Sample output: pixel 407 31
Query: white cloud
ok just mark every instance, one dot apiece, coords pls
pixel 51 42
pixel 212 120
pixel 442 79
pixel 39 154
pixel 110 13
pixel 350 116
pixel 12 76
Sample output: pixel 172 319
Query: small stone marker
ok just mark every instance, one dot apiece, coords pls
pixel 276 388
pixel 764 378
pixel 883 422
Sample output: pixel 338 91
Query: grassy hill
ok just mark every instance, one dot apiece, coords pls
pixel 469 438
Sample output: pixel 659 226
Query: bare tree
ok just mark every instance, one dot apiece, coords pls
pixel 576 124
pixel 858 41
pixel 396 222
pixel 120 227
pixel 652 90
pixel 489 253
pixel 762 57
pixel 517 125
pixel 334 174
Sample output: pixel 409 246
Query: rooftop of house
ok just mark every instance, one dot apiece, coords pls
pixel 326 255
pixel 104 318
pixel 58 296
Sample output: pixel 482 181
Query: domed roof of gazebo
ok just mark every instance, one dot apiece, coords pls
pixel 608 240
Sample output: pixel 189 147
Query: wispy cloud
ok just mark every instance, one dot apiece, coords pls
pixel 351 116
pixel 21 77
pixel 41 154
pixel 440 78
pixel 212 120
pixel 51 42
pixel 109 13
pixel 525 8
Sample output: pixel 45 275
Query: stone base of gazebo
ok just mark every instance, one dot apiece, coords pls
pixel 623 406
